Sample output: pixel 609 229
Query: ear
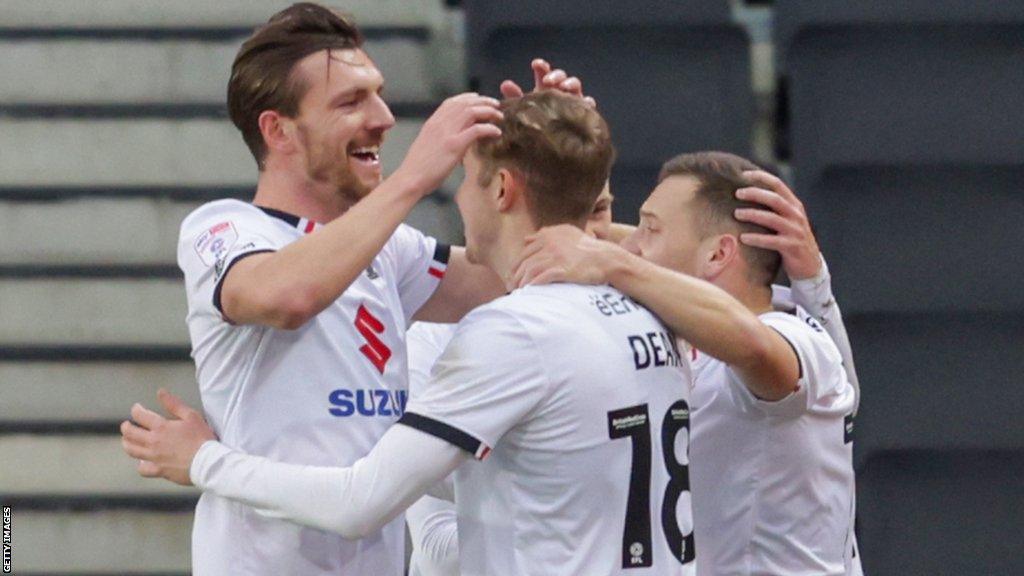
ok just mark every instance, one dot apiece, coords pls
pixel 721 252
pixel 279 132
pixel 508 189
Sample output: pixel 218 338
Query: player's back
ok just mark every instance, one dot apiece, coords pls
pixel 586 418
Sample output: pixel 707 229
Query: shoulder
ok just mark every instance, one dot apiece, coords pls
pixel 213 213
pixel 806 335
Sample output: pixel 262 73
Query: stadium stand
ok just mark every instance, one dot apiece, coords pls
pixel 113 127
pixel 681 78
pixel 905 129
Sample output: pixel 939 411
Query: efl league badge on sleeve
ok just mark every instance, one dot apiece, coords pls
pixel 214 244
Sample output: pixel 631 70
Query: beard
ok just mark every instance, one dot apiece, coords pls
pixel 330 165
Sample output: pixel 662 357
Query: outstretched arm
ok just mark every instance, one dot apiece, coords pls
pixel 697 311
pixel 353 501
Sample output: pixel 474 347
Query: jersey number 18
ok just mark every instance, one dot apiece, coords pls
pixel 634 423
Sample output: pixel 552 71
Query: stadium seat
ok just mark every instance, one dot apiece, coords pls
pixel 942 513
pixel 99 464
pixel 922 239
pixel 172 73
pixel 690 90
pixel 124 541
pixel 920 82
pixel 92 311
pixel 939 442
pixel 185 14
pixel 905 140
pixel 152 152
pixel 86 394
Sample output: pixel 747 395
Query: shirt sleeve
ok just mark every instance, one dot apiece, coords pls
pixel 420 264
pixel 821 370
pixel 216 237
pixel 425 341
pixel 490 377
pixel 355 501
pixel 815 296
pixel 433 528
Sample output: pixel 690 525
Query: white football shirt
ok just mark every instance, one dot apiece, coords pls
pixel 575 398
pixel 773 482
pixel 322 394
pixel 432 521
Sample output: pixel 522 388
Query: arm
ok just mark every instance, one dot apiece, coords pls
pixel 434 530
pixel 354 501
pixel 464 287
pixel 815 295
pixel 704 315
pixel 793 238
pixel 286 288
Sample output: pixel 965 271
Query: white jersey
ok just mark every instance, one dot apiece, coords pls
pixel 773 481
pixel 575 398
pixel 432 521
pixel 322 394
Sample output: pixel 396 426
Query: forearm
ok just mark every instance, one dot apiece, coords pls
pixel 815 296
pixel 619 232
pixel 354 501
pixel 306 276
pixel 697 311
pixel 434 530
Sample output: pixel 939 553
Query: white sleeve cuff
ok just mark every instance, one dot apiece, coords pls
pixel 815 294
pixel 208 455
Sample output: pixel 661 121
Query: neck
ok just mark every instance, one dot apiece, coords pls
pixel 508 248
pixel 757 298
pixel 316 201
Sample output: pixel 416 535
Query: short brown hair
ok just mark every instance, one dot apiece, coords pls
pixel 262 76
pixel 720 175
pixel 562 149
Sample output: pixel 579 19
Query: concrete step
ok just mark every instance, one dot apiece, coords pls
pixel 105 14
pixel 87 392
pixel 76 464
pixel 105 542
pixel 88 311
pixel 92 71
pixel 112 153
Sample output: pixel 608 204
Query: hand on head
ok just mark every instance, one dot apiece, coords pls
pixel 562 253
pixel 446 136
pixel 165 447
pixel 544 78
pixel 784 214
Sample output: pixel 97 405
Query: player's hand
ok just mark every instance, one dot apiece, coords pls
pixel 544 78
pixel 165 447
pixel 784 214
pixel 563 253
pixel 442 142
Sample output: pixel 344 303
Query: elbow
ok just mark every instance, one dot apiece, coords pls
pixel 295 307
pixel 758 349
pixel 286 308
pixel 356 529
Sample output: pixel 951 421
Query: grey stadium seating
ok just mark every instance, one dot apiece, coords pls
pixel 906 123
pixel 669 76
pixel 113 127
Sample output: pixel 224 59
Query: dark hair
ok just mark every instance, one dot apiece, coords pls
pixel 263 77
pixel 562 149
pixel 720 175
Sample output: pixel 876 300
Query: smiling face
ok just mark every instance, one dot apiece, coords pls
pixel 341 121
